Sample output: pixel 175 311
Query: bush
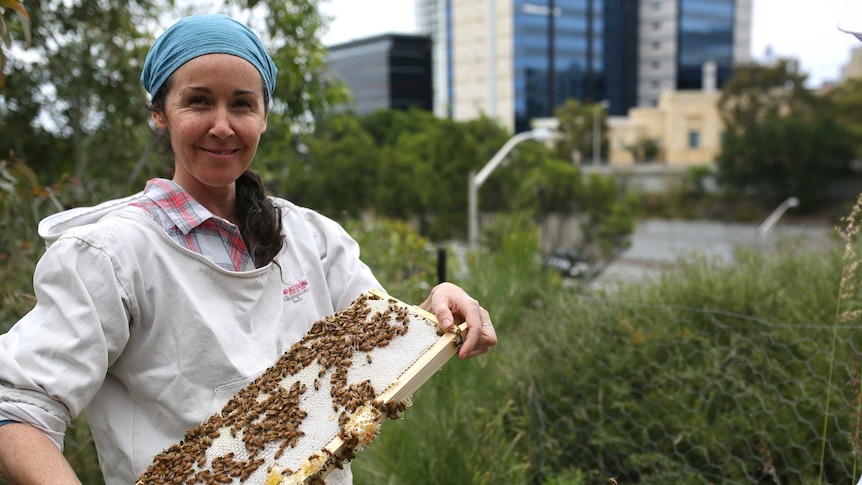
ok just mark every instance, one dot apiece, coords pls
pixel 714 374
pixel 402 260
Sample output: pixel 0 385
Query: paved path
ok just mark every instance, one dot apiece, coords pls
pixel 656 244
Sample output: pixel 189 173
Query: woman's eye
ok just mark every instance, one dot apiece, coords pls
pixel 197 100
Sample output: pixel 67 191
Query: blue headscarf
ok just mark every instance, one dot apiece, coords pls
pixel 199 35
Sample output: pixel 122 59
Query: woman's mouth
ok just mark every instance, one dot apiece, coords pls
pixel 220 152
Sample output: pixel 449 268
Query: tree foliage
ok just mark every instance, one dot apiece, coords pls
pixel 74 105
pixel 644 150
pixel 781 139
pixel 576 125
pixel 409 165
pixel 759 91
pixel 6 31
pixel 398 164
pixel 847 100
pixel 76 101
pixel 787 156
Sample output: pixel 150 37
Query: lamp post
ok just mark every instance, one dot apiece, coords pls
pixel 597 131
pixel 475 180
pixel 770 221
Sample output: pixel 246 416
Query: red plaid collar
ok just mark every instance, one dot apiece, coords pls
pixel 178 212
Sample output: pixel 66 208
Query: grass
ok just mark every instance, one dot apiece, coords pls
pixel 715 373
pixel 846 312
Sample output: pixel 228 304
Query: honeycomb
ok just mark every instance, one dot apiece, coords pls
pixel 322 401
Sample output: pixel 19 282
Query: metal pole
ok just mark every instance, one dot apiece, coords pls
pixel 552 54
pixel 475 180
pixel 770 221
pixel 441 264
pixel 473 211
pixel 492 60
pixel 598 110
pixel 597 137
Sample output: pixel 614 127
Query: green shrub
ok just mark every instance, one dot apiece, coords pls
pixel 715 373
pixel 402 260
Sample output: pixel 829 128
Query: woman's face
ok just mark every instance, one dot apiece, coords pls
pixel 215 114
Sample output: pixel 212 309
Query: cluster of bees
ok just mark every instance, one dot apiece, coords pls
pixel 266 412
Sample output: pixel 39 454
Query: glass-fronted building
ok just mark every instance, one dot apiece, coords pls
pixel 517 60
pixel 705 34
pixel 573 49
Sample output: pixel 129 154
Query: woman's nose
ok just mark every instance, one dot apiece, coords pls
pixel 221 124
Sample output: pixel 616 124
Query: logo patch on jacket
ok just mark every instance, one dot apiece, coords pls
pixel 294 291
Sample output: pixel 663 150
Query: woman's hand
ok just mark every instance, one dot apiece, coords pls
pixel 453 306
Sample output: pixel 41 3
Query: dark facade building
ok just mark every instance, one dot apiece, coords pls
pixel 391 71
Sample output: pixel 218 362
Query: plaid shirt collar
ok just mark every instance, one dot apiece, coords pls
pixel 194 226
pixel 184 211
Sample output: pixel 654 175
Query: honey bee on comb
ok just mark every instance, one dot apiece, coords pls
pixel 293 424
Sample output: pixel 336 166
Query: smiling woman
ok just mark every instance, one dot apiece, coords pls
pixel 154 309
pixel 214 125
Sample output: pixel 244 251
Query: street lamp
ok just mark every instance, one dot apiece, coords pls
pixel 475 180
pixel 770 221
pixel 597 131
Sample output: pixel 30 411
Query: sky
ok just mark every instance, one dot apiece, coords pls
pixel 806 30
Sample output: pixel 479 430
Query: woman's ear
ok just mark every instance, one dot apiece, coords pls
pixel 159 119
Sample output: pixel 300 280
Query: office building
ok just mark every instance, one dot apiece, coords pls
pixel 391 71
pixel 517 60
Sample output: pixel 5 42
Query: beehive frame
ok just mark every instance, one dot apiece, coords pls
pixel 323 400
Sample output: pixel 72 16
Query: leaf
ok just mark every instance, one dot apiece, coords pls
pixel 16 6
pixel 5 35
pixel 25 26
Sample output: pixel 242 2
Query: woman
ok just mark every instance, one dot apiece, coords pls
pixel 155 309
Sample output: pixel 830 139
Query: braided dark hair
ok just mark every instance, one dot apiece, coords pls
pixel 259 220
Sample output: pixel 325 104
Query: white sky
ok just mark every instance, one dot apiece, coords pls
pixel 803 29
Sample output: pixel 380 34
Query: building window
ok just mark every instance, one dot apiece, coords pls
pixel 656 45
pixel 694 139
pixel 656 25
pixel 656 64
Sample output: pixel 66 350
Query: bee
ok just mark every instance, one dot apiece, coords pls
pixel 612 480
pixel 368 358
